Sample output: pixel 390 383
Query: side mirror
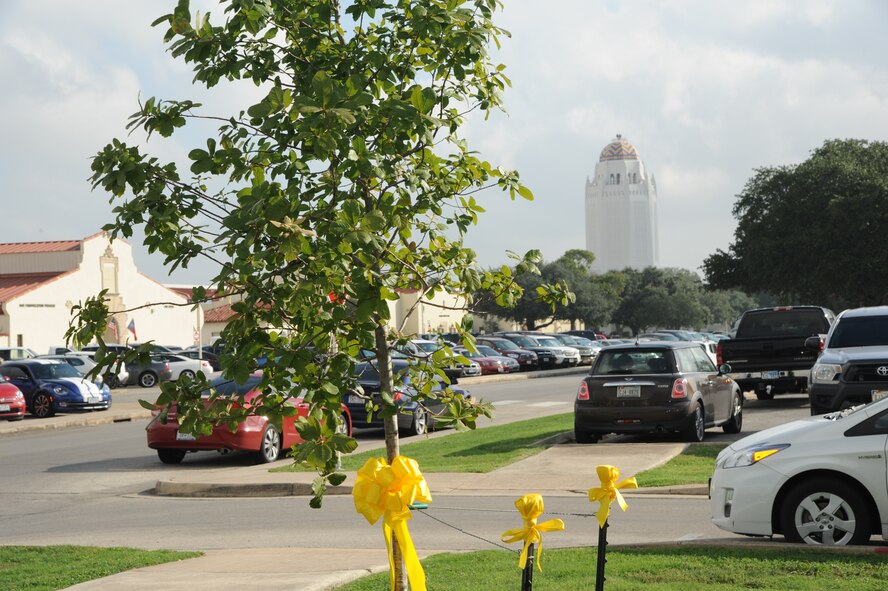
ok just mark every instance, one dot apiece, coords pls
pixel 724 368
pixel 814 343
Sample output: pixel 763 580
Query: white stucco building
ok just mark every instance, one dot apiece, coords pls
pixel 621 210
pixel 41 281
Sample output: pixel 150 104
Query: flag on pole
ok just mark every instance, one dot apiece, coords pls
pixel 132 328
pixel 114 327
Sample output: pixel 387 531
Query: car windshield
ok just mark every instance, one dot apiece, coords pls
pixel 635 361
pixel 469 354
pixel 583 341
pixel 524 341
pixel 227 387
pixel 868 331
pixel 53 371
pixel 428 346
pixel 507 345
pixel 484 350
pixel 789 322
pixel 548 342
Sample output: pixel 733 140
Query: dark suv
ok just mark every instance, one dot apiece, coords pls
pixel 853 368
pixel 526 359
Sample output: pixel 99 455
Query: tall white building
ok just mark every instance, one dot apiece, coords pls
pixel 621 210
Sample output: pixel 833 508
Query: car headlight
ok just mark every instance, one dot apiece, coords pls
pixel 752 455
pixel 60 390
pixel 825 373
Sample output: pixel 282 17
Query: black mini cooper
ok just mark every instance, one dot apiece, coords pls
pixel 656 387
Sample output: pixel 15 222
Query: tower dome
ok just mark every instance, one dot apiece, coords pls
pixel 619 149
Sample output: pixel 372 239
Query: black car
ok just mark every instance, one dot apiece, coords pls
pixel 414 419
pixel 545 355
pixel 212 358
pixel 670 387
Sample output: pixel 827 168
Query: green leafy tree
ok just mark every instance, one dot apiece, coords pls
pixel 661 298
pixel 812 232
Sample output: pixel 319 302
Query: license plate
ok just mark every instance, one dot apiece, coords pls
pixel 628 391
pixel 352 399
pixel 4 407
pixel 770 375
pixel 184 436
pixel 877 395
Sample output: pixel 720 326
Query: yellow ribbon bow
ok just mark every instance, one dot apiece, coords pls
pixel 387 491
pixel 608 491
pixel 531 507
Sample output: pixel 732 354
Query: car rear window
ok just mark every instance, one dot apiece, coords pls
pixel 226 387
pixel 635 361
pixel 868 331
pixel 790 322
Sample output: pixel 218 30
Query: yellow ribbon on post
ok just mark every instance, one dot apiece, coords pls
pixel 608 492
pixel 531 507
pixel 387 491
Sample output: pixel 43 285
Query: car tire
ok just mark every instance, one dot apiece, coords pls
pixel 817 410
pixel 420 423
pixel 581 436
pixel 186 373
pixel 764 395
pixel 148 379
pixel 735 423
pixel 344 425
pixel 41 405
pixel 112 381
pixel 696 429
pixel 269 446
pixel 849 510
pixel 171 456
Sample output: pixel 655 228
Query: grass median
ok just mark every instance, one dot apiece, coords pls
pixel 47 568
pixel 481 450
pixel 655 569
pixel 692 466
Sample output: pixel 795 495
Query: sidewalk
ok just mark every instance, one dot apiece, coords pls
pixel 565 469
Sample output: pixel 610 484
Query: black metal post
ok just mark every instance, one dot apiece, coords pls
pixel 602 558
pixel 527 573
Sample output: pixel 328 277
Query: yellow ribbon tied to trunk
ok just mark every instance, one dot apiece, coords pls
pixel 387 491
pixel 531 507
pixel 609 491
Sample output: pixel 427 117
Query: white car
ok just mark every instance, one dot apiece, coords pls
pixel 821 480
pixel 564 355
pixel 185 366
pixel 84 362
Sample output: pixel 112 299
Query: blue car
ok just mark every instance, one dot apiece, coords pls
pixel 414 419
pixel 53 386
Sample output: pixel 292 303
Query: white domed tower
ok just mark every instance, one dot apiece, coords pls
pixel 621 210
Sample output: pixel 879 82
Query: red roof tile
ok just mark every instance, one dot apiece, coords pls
pixel 220 314
pixel 31 247
pixel 12 286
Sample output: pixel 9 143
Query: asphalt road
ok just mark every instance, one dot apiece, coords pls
pixel 87 485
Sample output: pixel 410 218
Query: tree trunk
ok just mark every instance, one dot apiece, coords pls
pixel 392 442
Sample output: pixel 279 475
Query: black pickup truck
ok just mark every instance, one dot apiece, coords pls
pixel 768 355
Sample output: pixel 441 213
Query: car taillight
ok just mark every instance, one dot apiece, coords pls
pixel 583 394
pixel 397 395
pixel 718 354
pixel 680 388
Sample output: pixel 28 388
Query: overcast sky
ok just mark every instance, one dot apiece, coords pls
pixel 706 91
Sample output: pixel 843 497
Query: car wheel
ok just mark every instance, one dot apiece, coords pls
pixel 582 436
pixel 764 395
pixel 171 456
pixel 186 373
pixel 817 410
pixel 148 379
pixel 269 446
pixel 41 405
pixel 112 380
pixel 827 512
pixel 420 423
pixel 735 423
pixel 343 426
pixel 696 429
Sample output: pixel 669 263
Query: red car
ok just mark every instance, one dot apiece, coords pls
pixel 255 434
pixel 12 401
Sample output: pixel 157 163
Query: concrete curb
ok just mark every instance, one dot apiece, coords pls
pixel 68 421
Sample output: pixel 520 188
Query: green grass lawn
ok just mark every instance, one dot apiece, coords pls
pixel 481 450
pixel 47 568
pixel 654 569
pixel 693 466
